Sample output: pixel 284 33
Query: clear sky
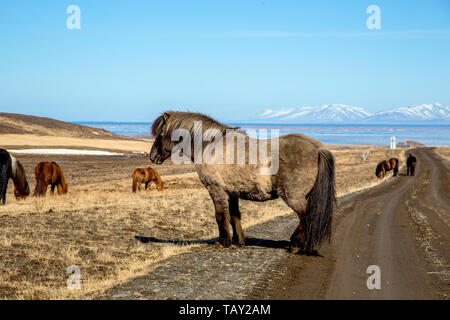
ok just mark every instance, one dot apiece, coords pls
pixel 132 60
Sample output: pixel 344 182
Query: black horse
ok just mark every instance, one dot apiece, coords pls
pixel 11 168
pixel 411 165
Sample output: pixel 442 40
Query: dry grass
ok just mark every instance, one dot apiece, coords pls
pixel 352 174
pixel 27 140
pixel 94 226
pixel 443 152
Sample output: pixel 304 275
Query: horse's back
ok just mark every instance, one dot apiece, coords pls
pixel 297 156
pixel 138 172
pixel 302 139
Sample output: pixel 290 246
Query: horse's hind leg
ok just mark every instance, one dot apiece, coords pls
pixel 52 189
pixel 238 234
pixel 146 185
pixel 220 199
pixel 299 206
pixel 60 188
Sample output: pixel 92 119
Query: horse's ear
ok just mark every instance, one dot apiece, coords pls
pixel 165 117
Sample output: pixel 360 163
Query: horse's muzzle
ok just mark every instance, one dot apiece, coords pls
pixel 155 159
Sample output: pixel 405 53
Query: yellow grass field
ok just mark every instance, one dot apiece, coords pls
pixel 30 140
pixel 95 224
pixel 443 152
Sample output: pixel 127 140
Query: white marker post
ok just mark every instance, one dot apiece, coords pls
pixel 393 144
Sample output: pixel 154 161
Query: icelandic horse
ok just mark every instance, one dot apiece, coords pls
pixel 304 174
pixel 385 166
pixel 49 173
pixel 146 176
pixel 411 165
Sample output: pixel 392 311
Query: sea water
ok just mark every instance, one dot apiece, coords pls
pixel 430 135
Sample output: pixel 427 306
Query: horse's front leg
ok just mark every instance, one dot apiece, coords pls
pixel 220 199
pixel 238 234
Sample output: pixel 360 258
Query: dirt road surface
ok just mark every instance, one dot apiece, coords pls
pixel 402 226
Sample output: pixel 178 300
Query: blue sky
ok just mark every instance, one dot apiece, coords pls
pixel 132 60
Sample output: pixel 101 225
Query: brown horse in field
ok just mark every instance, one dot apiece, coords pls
pixel 49 173
pixel 146 176
pixel 10 167
pixel 411 165
pixel 296 168
pixel 385 166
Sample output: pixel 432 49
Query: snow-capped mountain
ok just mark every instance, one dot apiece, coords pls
pixel 423 112
pixel 326 113
pixel 340 113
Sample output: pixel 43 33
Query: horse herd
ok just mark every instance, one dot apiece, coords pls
pixel 393 163
pixel 50 174
pixel 304 180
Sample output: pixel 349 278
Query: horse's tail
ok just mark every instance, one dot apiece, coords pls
pixel 135 180
pixel 64 187
pixel 321 202
pixel 396 167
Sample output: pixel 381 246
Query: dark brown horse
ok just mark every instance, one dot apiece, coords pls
pixel 146 176
pixel 385 166
pixel 411 165
pixel 10 167
pixel 49 173
pixel 301 172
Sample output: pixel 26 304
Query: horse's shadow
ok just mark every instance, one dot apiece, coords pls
pixel 256 242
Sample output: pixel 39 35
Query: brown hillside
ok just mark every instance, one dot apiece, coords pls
pixel 12 123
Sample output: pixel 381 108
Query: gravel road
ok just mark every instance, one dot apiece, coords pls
pixel 402 226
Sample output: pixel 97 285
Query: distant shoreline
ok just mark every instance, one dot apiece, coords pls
pixel 287 125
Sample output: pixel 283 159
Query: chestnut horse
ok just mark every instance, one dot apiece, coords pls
pixel 49 173
pixel 303 177
pixel 146 176
pixel 387 165
pixel 411 165
pixel 10 167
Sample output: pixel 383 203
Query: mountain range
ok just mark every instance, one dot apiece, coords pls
pixel 340 113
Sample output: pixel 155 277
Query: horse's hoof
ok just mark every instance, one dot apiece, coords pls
pixel 223 243
pixel 238 243
pixel 294 250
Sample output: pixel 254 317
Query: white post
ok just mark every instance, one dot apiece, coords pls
pixel 393 144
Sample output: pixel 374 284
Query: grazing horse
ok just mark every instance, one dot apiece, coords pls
pixel 146 176
pixel 387 165
pixel 304 176
pixel 10 167
pixel 411 165
pixel 49 173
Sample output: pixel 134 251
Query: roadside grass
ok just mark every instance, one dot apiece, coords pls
pixel 95 224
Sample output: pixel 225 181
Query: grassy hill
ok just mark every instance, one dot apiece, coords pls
pixel 12 123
